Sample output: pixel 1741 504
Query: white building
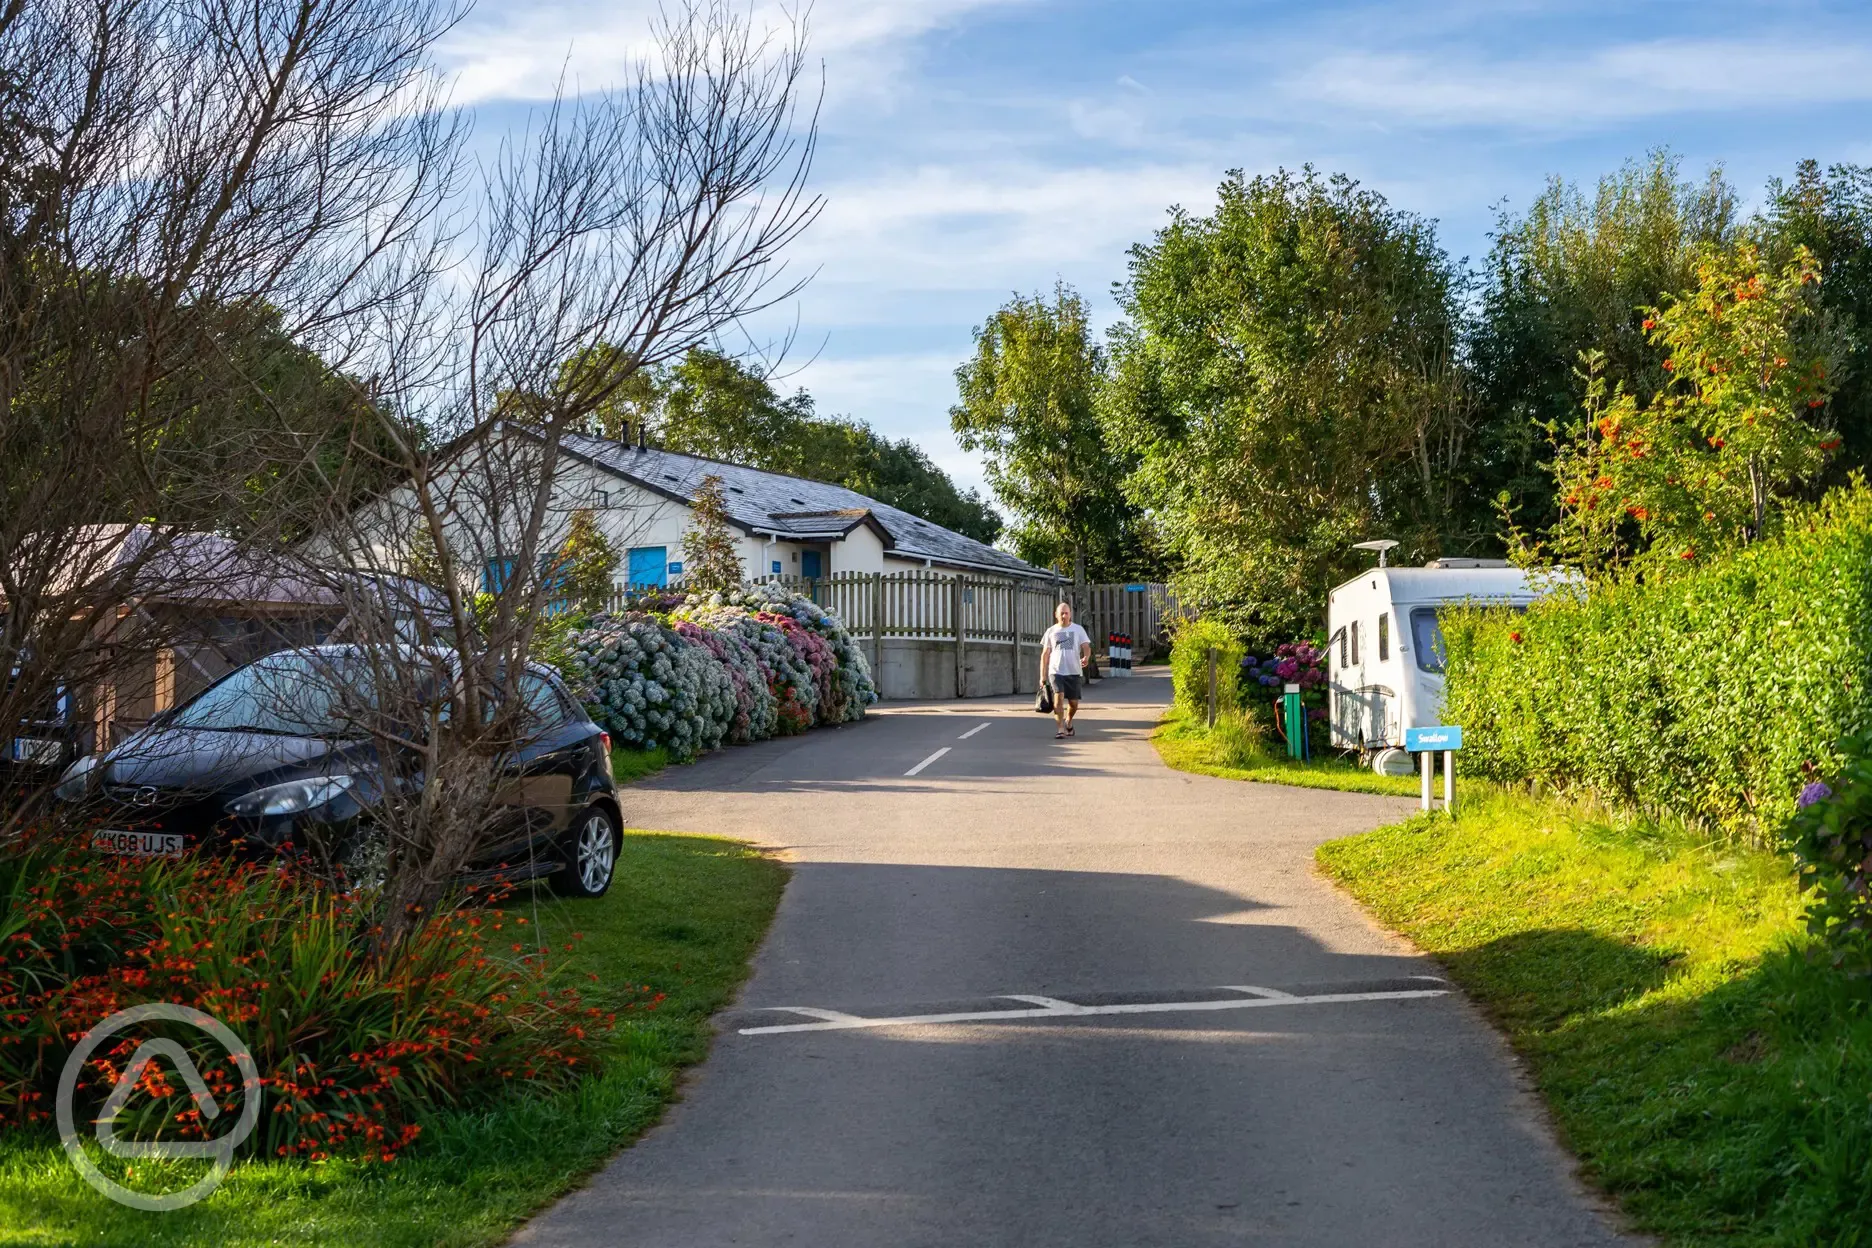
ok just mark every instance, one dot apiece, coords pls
pixel 641 499
pixel 788 526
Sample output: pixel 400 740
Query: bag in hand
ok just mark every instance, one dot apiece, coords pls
pixel 1043 701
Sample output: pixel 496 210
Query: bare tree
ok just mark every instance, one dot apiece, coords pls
pixel 250 290
pixel 646 220
pixel 194 195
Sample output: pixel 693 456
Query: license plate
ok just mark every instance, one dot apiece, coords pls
pixel 138 844
pixel 37 750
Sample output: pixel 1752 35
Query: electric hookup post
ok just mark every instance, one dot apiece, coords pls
pixel 1296 722
pixel 1426 743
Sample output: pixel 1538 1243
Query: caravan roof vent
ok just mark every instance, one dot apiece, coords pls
pixel 1468 563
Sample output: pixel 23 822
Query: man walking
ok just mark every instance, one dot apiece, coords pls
pixel 1064 652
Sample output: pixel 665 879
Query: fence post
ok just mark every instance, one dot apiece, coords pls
pixel 1212 686
pixel 961 664
pixel 877 631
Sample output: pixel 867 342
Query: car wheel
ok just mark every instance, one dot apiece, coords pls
pixel 591 855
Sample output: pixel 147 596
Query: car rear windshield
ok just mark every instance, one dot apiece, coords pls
pixel 300 695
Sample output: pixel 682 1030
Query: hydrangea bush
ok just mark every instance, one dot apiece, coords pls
pixel 686 672
pixel 789 677
pixel 846 686
pixel 649 686
pixel 756 712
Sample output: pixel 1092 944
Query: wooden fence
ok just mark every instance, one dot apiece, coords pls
pixel 938 606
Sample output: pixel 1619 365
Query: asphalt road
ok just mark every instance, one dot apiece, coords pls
pixel 1153 1084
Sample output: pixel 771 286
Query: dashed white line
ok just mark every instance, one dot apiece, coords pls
pixel 1066 1009
pixel 971 732
pixel 926 762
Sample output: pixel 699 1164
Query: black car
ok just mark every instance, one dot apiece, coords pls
pixel 267 757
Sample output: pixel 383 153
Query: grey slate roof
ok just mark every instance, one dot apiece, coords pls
pixel 792 507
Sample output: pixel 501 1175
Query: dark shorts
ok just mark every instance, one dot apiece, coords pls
pixel 1067 687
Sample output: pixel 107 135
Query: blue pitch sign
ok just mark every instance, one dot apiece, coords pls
pixel 1440 737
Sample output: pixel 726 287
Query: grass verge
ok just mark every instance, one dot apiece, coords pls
pixel 682 920
pixel 630 766
pixel 1710 1077
pixel 1235 750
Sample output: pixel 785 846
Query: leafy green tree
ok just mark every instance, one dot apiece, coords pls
pixel 584 568
pixel 710 562
pixel 1737 427
pixel 1287 381
pixel 1831 215
pixel 1029 405
pixel 1575 274
pixel 894 471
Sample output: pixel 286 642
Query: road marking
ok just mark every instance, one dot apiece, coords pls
pixel 971 732
pixel 1065 1009
pixel 926 762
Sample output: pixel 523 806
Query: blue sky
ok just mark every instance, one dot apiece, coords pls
pixel 974 148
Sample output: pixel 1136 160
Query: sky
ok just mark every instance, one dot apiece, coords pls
pixel 974 149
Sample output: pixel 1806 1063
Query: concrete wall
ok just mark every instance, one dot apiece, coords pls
pixel 920 668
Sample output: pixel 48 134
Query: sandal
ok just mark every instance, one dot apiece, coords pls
pixel 1059 736
pixel 1071 731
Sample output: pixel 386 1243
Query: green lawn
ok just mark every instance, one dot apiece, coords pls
pixel 1235 750
pixel 630 766
pixel 682 919
pixel 1710 1077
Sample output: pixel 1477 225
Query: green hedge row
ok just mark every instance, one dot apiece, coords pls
pixel 1189 665
pixel 1708 693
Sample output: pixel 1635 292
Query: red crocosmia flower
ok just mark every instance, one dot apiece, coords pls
pixel 1831 444
pixel 1815 402
pixel 1670 365
pixel 1689 553
pixel 1717 443
pixel 1649 323
pixel 1515 637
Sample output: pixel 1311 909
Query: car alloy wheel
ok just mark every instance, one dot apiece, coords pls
pixel 595 854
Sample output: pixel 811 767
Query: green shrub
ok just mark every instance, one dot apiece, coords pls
pixel 1831 837
pixel 1708 693
pixel 1189 665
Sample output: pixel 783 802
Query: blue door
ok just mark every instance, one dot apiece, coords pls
pixel 810 565
pixel 649 565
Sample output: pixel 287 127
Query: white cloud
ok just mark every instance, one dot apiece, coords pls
pixel 518 52
pixel 957 227
pixel 1554 92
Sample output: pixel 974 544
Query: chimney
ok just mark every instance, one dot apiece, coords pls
pixel 640 435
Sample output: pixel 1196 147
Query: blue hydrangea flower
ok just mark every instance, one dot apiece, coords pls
pixel 1814 792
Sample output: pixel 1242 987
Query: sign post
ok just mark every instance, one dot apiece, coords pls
pixel 1446 738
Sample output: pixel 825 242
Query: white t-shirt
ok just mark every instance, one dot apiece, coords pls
pixel 1065 640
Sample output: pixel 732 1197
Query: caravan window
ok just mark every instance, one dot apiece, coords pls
pixel 1353 629
pixel 1384 637
pixel 1427 637
pixel 1427 634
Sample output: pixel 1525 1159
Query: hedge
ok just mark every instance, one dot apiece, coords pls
pixel 1189 665
pixel 1713 693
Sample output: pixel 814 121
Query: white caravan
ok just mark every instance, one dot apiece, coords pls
pixel 1385 647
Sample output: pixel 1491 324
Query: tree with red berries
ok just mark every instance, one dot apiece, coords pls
pixel 1708 461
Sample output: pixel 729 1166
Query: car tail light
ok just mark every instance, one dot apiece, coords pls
pixel 604 749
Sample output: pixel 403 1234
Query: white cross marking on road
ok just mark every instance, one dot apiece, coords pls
pixel 971 732
pixel 926 762
pixel 1057 1009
